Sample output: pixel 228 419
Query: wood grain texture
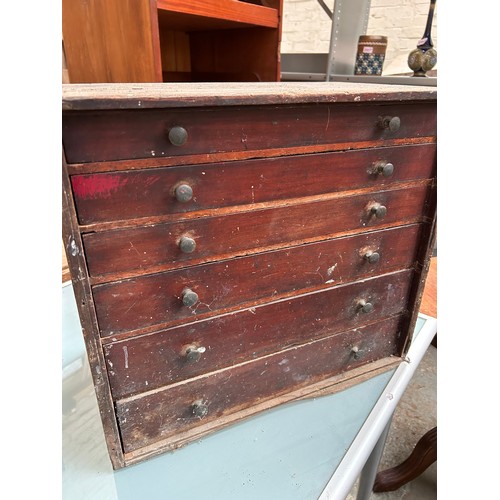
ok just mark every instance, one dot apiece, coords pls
pixel 189 95
pixel 220 51
pixel 429 298
pixel 239 387
pixel 145 304
pixel 108 136
pixel 281 219
pixel 325 386
pixel 151 361
pixel 110 41
pixel 151 192
pixel 143 250
pixel 230 10
pixel 423 455
pixel 73 246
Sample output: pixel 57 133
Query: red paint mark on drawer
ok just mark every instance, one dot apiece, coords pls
pixel 94 186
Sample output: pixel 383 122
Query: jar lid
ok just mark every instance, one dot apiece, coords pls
pixel 372 39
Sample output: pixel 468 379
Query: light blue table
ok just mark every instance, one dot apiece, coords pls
pixel 303 450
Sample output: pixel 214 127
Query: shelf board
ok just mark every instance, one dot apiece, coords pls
pixel 215 14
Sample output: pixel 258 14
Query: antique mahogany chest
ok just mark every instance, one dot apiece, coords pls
pixel 237 246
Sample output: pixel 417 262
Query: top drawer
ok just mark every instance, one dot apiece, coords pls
pixel 96 136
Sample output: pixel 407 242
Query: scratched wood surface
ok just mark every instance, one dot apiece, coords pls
pixel 272 319
pixel 155 360
pixel 239 387
pixel 151 192
pixel 112 135
pixel 181 95
pixel 144 304
pixel 146 249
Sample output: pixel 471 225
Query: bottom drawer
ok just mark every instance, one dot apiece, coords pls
pixel 161 414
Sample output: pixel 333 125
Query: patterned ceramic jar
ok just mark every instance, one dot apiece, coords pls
pixel 371 55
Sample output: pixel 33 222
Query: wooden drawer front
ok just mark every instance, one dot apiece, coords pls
pixel 151 192
pixel 128 134
pixel 156 300
pixel 159 359
pixel 150 249
pixel 146 419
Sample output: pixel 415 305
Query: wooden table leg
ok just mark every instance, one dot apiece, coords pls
pixel 423 455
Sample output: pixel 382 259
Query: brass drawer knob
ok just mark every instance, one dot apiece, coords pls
pixel 177 136
pixel 384 168
pixel 391 123
pixel 187 244
pixel 364 306
pixel 189 298
pixel 356 352
pixel 193 353
pixel 183 193
pixel 372 257
pixel 199 409
pixel 378 210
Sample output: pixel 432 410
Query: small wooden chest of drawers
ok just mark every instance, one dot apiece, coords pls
pixel 234 247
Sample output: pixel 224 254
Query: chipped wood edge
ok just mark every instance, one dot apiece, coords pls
pixel 73 246
pixel 166 95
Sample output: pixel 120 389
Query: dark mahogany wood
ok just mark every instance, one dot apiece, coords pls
pixel 156 300
pixel 115 135
pixel 423 455
pixel 151 192
pixel 159 414
pixel 164 96
pixel 154 360
pixel 150 249
pixel 73 246
pixel 281 219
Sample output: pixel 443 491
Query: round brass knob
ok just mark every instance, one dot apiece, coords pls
pixel 193 353
pixel 187 244
pixel 199 409
pixel 183 193
pixel 356 352
pixel 372 257
pixel 378 210
pixel 189 298
pixel 391 123
pixel 365 307
pixel 385 168
pixel 177 136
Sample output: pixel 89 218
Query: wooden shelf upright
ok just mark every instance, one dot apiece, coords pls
pixel 137 41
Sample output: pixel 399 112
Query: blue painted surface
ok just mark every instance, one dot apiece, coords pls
pixel 289 452
pixel 72 339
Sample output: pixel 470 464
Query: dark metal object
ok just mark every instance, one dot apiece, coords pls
pixel 187 244
pixel 384 167
pixel 199 409
pixel 372 257
pixel 183 193
pixel 391 123
pixel 329 13
pixel 356 352
pixel 424 57
pixel 364 306
pixel 177 136
pixel 378 210
pixel 193 353
pixel 189 298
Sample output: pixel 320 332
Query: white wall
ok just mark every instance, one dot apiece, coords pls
pixel 306 28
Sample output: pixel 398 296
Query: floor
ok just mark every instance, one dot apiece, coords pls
pixel 415 415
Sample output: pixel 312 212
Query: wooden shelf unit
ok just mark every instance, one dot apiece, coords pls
pixel 138 41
